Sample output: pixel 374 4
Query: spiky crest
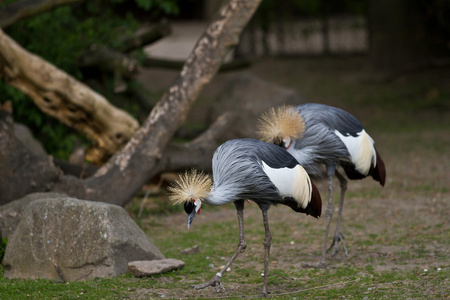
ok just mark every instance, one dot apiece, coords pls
pixel 192 185
pixel 278 123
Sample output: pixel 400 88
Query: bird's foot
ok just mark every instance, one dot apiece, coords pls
pixel 335 245
pixel 319 265
pixel 215 282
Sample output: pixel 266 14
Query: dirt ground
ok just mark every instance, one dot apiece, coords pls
pixel 403 226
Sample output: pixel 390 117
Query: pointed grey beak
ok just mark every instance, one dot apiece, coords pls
pixel 190 218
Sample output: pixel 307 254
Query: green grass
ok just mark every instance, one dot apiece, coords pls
pixel 217 242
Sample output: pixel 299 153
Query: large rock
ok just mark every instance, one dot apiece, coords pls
pixel 69 239
pixel 250 96
pixel 11 213
pixel 24 135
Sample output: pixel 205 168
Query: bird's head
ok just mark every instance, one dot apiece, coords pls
pixel 191 189
pixel 281 125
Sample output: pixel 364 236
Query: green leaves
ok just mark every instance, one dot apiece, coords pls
pixel 169 7
pixel 3 243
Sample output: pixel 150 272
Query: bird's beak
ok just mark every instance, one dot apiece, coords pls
pixel 190 218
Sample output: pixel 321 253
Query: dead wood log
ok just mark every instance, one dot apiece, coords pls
pixel 19 10
pixel 59 95
pixel 109 60
pixel 118 180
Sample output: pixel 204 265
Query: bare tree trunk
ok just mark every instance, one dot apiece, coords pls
pixel 124 174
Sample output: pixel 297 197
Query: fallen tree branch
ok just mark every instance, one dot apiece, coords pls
pixel 108 60
pixel 61 96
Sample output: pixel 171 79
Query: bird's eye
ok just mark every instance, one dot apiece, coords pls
pixel 189 207
pixel 279 143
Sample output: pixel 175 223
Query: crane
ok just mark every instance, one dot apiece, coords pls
pixel 322 138
pixel 248 169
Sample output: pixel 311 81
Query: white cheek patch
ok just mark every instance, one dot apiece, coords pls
pixel 361 150
pixel 293 182
pixel 287 142
pixel 198 205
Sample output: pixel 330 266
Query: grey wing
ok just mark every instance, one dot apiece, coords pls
pixel 332 117
pixel 237 168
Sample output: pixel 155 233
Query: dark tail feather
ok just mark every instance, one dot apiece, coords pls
pixel 315 204
pixel 379 171
pixel 314 207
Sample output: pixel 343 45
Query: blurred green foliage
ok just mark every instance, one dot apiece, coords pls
pixel 3 242
pixel 60 36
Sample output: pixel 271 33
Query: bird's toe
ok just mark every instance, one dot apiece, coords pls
pixel 214 282
pixel 338 240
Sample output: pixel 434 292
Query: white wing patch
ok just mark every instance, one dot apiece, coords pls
pixel 293 183
pixel 361 150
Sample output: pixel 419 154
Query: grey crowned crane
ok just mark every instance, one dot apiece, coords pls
pixel 322 138
pixel 248 169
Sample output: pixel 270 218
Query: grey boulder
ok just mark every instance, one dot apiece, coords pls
pixel 67 239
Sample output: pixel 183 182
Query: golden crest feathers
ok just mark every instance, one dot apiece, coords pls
pixel 281 122
pixel 191 185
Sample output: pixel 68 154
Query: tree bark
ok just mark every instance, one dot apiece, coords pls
pixel 19 10
pixel 118 180
pixel 61 96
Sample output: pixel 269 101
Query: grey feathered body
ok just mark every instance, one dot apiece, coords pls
pixel 238 174
pixel 319 145
pixel 237 171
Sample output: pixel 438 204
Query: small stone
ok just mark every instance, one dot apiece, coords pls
pixel 191 250
pixel 144 268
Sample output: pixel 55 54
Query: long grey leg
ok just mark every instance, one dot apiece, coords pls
pixel 215 281
pixel 267 243
pixel 328 215
pixel 338 235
